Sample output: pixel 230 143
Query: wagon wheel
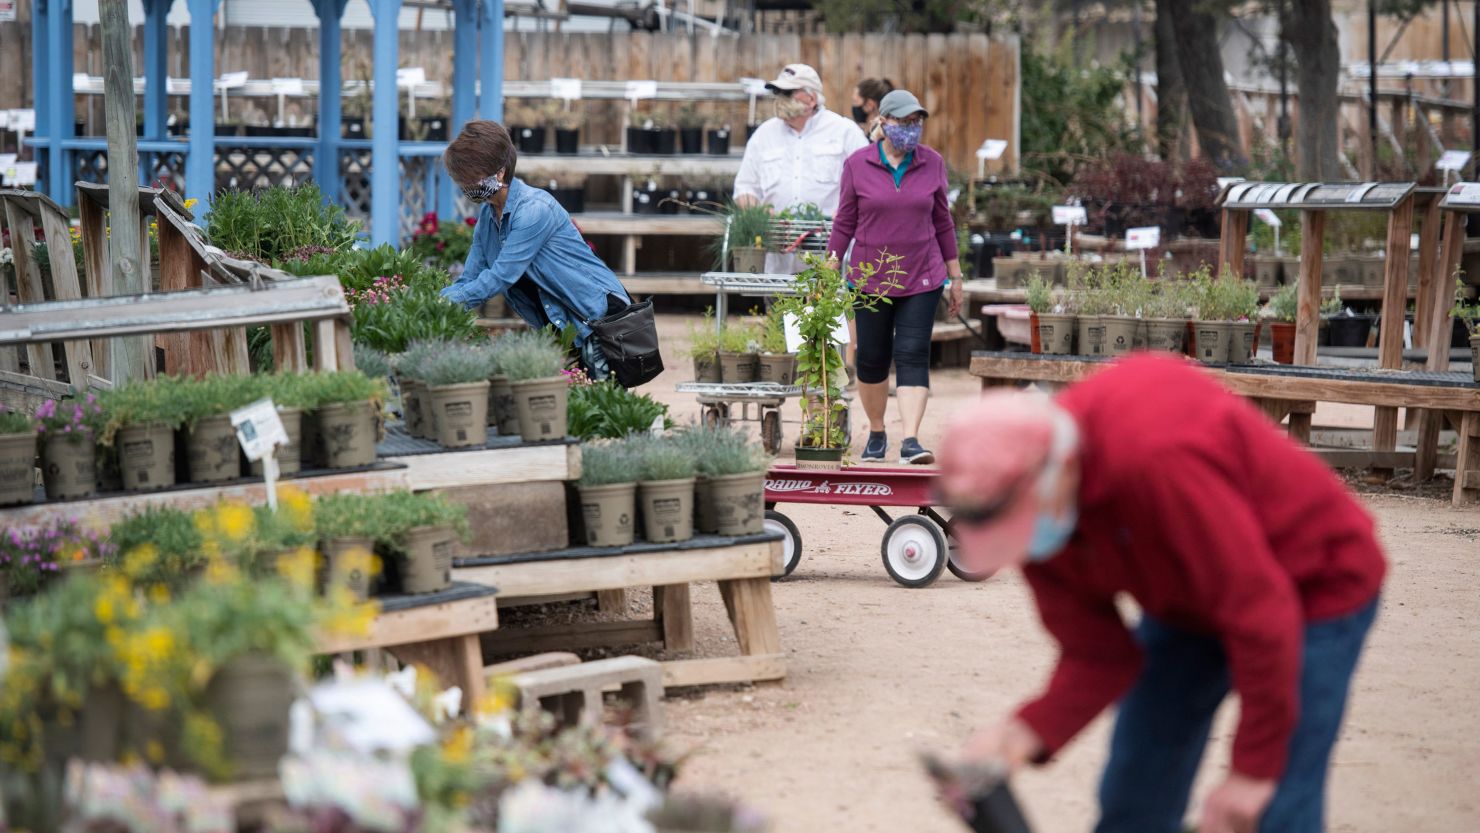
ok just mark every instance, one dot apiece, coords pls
pixel 914 551
pixel 791 542
pixel 961 572
pixel 771 431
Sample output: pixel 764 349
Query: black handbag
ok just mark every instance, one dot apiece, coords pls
pixel 629 340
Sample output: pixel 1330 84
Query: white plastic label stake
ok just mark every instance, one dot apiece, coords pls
pixel 287 86
pixel 1465 192
pixel 410 76
pixel 1069 215
pixel 1268 217
pixel 638 90
pixel 754 86
pixel 20 173
pixel 23 121
pixel 259 429
pixel 566 89
pixel 1145 237
pixel 793 332
pixel 1453 160
pixel 992 149
pixel 232 80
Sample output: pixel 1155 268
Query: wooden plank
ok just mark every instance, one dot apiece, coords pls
pixel 611 601
pixel 98 280
pixel 1395 291
pixel 177 265
pixel 519 464
pixel 612 222
pixel 724 670
pixel 27 279
pixel 389 629
pixel 665 284
pixel 673 611
pixel 568 575
pixel 1428 260
pixel 570 637
pixel 456 661
pixel 1439 329
pixel 325 347
pixel 1467 460
pixel 289 351
pixel 1308 314
pixel 752 614
pixel 344 344
pixel 66 287
pixel 534 662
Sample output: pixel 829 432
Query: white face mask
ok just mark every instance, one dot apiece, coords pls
pixel 788 107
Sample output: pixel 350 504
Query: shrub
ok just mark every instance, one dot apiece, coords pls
pixel 1284 304
pixel 721 450
pixel 663 458
pixel 15 422
pixel 162 544
pixel 271 224
pixel 608 410
pixel 372 362
pixel 313 390
pixel 605 463
pixel 457 364
pixel 1040 293
pixel 70 418
pixel 404 511
pixel 739 337
pixel 525 355
pixel 703 337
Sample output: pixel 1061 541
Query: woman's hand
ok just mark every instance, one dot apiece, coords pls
pixel 958 291
pixel 1236 805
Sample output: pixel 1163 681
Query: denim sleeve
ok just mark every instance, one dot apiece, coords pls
pixel 530 228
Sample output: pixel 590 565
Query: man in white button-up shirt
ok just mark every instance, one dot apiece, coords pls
pixel 797 157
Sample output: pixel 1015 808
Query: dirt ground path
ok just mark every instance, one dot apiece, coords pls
pixel 877 672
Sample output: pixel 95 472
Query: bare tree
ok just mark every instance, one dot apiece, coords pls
pixel 1171 93
pixel 1195 29
pixel 1312 38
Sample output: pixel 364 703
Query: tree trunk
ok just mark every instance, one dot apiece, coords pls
pixel 1312 39
pixel 1196 34
pixel 1171 92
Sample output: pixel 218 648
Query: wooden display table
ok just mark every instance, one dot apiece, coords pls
pixel 438 630
pixel 1282 390
pixel 501 460
pixel 743 567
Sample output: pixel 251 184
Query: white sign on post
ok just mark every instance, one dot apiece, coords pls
pixel 1225 181
pixel 566 89
pixel 754 86
pixel 1268 217
pixel 8 11
pixel 260 431
pixel 638 90
pixel 1453 160
pixel 23 121
pixel 1070 215
pixel 1145 237
pixel 793 332
pixel 287 86
pixel 410 76
pixel 232 80
pixel 20 173
pixel 992 149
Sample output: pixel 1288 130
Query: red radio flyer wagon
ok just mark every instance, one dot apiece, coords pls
pixel 916 547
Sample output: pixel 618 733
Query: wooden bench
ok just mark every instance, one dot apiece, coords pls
pixel 1292 392
pixel 573 692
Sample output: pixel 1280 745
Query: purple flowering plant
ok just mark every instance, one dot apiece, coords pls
pixel 73 419
pixel 30 556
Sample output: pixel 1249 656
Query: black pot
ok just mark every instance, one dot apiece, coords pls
pixel 529 139
pixel 719 142
pixel 567 142
pixel 1461 337
pixel 1350 330
pixel 353 128
pixel 670 204
pixel 691 139
pixel 645 202
pixel 640 141
pixel 79 127
pixel 434 128
pixel 573 200
pixel 665 141
pixel 228 130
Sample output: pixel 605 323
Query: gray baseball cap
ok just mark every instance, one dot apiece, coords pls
pixel 901 103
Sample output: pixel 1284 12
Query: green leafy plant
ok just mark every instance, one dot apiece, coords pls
pixel 524 355
pixel 31 557
pixel 409 364
pixel 722 450
pixel 748 227
pixel 313 390
pixel 1284 305
pixel 169 536
pixel 703 335
pixel 773 334
pixel 1463 311
pixel 73 419
pixel 442 243
pixel 15 422
pixel 1170 298
pixel 604 463
pixel 739 337
pixel 608 410
pixel 271 224
pixel 372 362
pixel 1040 293
pixel 1333 305
pixel 457 364
pixel 662 458
pixel 141 402
pixel 404 511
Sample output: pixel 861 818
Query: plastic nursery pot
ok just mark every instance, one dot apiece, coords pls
pixel 737 368
pixel 1282 341
pixel 780 368
pixel 428 564
pixel 704 520
pixel 1055 333
pixel 748 260
pixel 1166 335
pixel 212 450
pixel 567 142
pixel 530 139
pixel 250 696
pixel 739 503
pixel 706 367
pixel 1210 340
pixel 348 564
pixel 413 407
pixel 640 140
pixel 665 141
pixel 146 455
pixel 290 456
pixel 1243 337
pixel 609 513
pixel 505 412
pixel 820 459
pixel 462 414
pixel 348 431
pixel 1475 355
pixel 667 510
pixel 1091 332
pixel 17 468
pixel 1120 334
pixel 719 142
pixel 69 466
pixel 541 404
pixel 691 139
pixel 1350 330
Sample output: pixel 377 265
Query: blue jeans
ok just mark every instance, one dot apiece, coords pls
pixel 1163 726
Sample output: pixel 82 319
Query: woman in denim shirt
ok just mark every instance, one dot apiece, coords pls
pixel 526 247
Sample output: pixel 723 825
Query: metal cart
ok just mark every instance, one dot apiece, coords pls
pixel 724 404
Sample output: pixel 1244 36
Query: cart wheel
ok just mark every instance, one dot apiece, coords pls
pixel 914 551
pixel 961 572
pixel 771 431
pixel 791 544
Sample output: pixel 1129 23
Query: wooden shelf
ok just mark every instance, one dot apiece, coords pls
pixel 665 283
pixel 616 222
pixel 986 290
pixel 505 461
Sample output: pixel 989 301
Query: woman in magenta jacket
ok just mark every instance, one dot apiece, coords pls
pixel 893 201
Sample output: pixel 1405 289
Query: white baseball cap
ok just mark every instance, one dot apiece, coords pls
pixel 796 77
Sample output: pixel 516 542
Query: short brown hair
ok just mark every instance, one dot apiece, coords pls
pixel 482 149
pixel 874 89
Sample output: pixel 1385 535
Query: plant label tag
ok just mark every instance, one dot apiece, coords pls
pixel 287 86
pixel 232 80
pixel 410 76
pixel 992 149
pixel 1145 237
pixel 792 329
pixel 1453 160
pixel 23 121
pixel 638 90
pixel 259 429
pixel 566 89
pixel 754 86
pixel 6 160
pixel 1268 217
pixel 20 173
pixel 1467 193
pixel 1069 215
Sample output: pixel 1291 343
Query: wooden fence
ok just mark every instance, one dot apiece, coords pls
pixel 969 82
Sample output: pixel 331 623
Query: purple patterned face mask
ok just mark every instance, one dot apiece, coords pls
pixel 484 190
pixel 904 137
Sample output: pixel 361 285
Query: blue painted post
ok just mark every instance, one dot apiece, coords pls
pixel 200 165
pixel 385 161
pixel 40 97
pixel 491 32
pixel 464 88
pixel 326 158
pixel 60 100
pixel 156 79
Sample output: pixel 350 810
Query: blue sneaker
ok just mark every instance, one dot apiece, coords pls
pixel 876 447
pixel 910 451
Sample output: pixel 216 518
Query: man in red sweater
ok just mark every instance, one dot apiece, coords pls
pixel 1253 568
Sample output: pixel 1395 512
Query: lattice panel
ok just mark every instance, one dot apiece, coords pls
pixel 354 183
pixel 253 169
pixel 416 197
pixel 90 165
pixel 169 167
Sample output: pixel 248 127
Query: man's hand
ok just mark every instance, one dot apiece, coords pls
pixel 958 289
pixel 1011 742
pixel 1236 805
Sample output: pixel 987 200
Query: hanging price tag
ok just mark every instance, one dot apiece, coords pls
pixel 566 89
pixel 637 90
pixel 1146 237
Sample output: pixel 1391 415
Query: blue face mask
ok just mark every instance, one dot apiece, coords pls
pixel 1050 532
pixel 904 137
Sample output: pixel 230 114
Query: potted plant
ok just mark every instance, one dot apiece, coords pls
pixel 33 556
pixel 348 405
pixel 1091 303
pixel 822 297
pixel 718 141
pixel 775 364
pixel 532 362
pixel 174 543
pixel 570 193
pixel 665 489
pixel 1166 316
pixel 212 451
pixel 284 390
pixel 426 527
pixel 409 375
pixel 690 129
pixel 1053 327
pixel 68 431
pixel 1242 298
pixel 730 494
pixel 503 412
pixel 608 491
pixel 1282 310
pixel 662 135
pixel 567 130
pixel 348 527
pixel 457 388
pixel 142 418
pixel 526 129
pixel 641 139
pixel 606 410
pixel 1211 328
pixel 1470 315
pixel 744 237
pixel 1125 293
pixel 704 348
pixel 737 353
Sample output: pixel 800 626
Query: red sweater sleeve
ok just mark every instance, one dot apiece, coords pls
pixel 1098 659
pixel 945 227
pixel 1214 546
pixel 845 221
